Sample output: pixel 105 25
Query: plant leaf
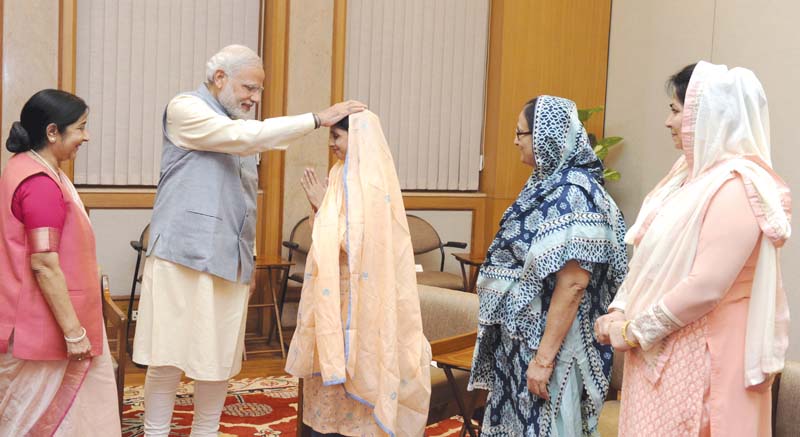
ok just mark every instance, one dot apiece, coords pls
pixel 611 175
pixel 601 152
pixel 609 141
pixel 585 114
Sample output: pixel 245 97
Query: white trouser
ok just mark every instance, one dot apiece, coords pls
pixel 160 387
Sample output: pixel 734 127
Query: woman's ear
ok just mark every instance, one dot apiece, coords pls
pixel 52 132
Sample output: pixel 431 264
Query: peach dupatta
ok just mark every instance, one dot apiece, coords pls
pixel 373 343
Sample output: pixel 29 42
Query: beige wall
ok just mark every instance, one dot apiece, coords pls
pixel 114 229
pixel 30 57
pixel 652 40
pixel 308 89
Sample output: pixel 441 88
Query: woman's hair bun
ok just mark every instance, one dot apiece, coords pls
pixel 18 139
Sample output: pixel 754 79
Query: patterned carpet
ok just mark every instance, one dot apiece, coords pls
pixel 254 407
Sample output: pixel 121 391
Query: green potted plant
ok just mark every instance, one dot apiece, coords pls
pixel 603 146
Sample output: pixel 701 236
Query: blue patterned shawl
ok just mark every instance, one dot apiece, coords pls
pixel 563 213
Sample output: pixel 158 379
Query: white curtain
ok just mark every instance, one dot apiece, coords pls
pixel 421 66
pixel 133 56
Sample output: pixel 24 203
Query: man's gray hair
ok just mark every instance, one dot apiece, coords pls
pixel 230 60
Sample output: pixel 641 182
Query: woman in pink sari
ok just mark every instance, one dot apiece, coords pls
pixel 702 314
pixel 56 376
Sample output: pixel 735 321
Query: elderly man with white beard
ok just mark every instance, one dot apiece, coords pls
pixel 193 306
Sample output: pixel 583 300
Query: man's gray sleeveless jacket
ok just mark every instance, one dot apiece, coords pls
pixel 204 216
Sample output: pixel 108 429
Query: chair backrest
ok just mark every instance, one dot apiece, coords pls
pixel 447 313
pixel 787 419
pixel 424 237
pixel 144 239
pixel 301 234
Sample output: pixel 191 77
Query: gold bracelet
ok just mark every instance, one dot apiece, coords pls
pixel 625 334
pixel 540 364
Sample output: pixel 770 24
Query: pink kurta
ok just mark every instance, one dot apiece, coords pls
pixel 700 389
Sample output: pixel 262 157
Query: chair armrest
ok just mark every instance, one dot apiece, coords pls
pixel 291 245
pixel 456 244
pixel 112 313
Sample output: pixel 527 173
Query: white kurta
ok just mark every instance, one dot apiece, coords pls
pixel 189 319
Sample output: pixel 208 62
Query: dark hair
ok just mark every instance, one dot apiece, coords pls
pixel 529 110
pixel 45 107
pixel 679 82
pixel 343 124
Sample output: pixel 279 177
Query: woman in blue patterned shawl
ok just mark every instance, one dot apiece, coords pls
pixel 551 271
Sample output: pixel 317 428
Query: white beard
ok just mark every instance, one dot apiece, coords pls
pixel 228 101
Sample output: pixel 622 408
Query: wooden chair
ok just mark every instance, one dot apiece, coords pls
pixel 117 327
pixel 424 239
pixel 140 247
pixel 299 244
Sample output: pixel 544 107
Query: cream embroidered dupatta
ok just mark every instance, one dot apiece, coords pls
pixel 373 342
pixel 725 133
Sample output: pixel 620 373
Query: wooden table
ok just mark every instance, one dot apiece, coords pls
pixel 277 270
pixel 474 262
pixel 456 353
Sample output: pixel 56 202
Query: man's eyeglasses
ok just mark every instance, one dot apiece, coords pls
pixel 253 89
pixel 521 134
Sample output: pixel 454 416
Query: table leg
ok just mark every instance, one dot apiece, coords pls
pixel 284 280
pixel 464 276
pixel 467 418
pixel 473 401
pixel 475 270
pixel 277 312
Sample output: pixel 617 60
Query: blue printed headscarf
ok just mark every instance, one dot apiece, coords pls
pixel 562 213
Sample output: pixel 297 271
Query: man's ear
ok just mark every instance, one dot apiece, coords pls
pixel 219 78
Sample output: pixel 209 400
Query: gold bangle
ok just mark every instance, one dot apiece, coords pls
pixel 540 364
pixel 625 334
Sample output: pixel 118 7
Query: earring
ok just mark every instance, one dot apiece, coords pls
pixel 52 140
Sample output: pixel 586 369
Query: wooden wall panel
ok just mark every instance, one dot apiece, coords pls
pixel 337 64
pixel 538 47
pixel 271 171
pixel 67 25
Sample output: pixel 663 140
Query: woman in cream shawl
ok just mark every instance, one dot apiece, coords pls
pixel 359 343
pixel 702 312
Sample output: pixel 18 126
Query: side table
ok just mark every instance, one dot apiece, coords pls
pixel 474 263
pixel 266 296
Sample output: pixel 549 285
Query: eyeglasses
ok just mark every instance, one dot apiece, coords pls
pixel 521 134
pixel 253 89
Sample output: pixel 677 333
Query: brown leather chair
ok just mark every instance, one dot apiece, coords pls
pixel 299 244
pixel 140 247
pixel 424 239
